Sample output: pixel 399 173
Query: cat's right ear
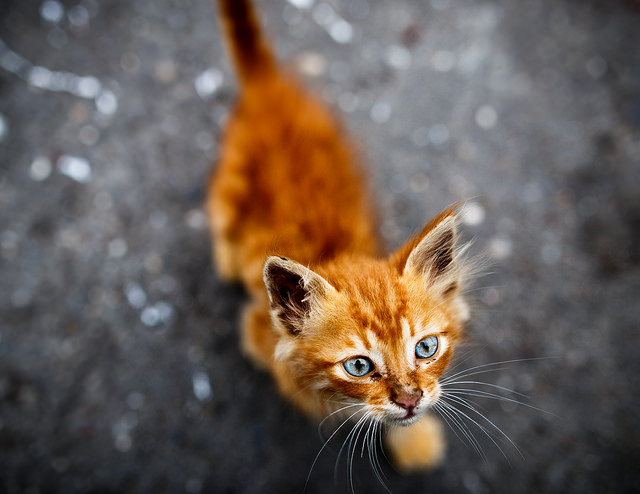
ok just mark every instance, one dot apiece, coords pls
pixel 295 292
pixel 434 256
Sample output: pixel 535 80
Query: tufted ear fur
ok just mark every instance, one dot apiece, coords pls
pixel 294 292
pixel 434 256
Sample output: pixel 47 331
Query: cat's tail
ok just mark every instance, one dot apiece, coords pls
pixel 250 51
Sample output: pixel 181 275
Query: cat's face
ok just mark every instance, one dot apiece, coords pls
pixel 392 369
pixel 380 343
pixel 373 333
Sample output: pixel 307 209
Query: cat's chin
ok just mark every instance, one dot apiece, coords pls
pixel 406 420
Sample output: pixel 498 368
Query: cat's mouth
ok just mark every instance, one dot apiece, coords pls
pixel 409 417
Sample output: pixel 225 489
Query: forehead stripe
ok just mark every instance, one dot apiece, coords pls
pixel 407 330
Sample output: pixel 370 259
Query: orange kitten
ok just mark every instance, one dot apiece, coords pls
pixel 337 326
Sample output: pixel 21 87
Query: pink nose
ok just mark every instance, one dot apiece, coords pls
pixel 407 399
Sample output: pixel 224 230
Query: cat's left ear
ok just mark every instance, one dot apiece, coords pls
pixel 295 292
pixel 433 254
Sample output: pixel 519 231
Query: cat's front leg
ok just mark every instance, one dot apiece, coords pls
pixel 418 447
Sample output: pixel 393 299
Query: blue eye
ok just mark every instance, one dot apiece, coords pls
pixel 427 348
pixel 358 366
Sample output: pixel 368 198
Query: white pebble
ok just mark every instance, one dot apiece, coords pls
pixel 380 112
pixel 39 77
pixel 165 311
pixel 397 56
pixel 75 167
pixel 150 316
pixel 40 168
pixel 301 4
pixel 201 386
pixel 473 214
pixel 60 81
pixel 117 248
pixel 208 82
pixel 486 117
pixel 52 11
pixel 500 248
pixel 107 103
pixel 136 296
pixel 196 219
pixel 87 87
pixel 3 127
pixel 341 31
pixel 123 442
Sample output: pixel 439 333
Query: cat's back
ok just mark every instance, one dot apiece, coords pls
pixel 287 177
pixel 286 165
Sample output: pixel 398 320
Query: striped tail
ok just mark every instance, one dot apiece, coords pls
pixel 250 51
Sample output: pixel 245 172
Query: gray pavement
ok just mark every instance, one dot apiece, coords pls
pixel 119 361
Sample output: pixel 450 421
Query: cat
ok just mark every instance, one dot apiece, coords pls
pixel 343 328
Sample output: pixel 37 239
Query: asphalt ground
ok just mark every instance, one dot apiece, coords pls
pixel 119 363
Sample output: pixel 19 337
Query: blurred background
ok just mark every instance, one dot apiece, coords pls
pixel 119 361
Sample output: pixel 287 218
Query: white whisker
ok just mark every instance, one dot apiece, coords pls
pixel 460 360
pixel 447 410
pixel 332 414
pixel 491 385
pixel 442 408
pixel 478 393
pixel 353 440
pixel 459 386
pixel 486 432
pixel 465 403
pixel 327 442
pixel 492 367
pixel 462 375
pixel 373 456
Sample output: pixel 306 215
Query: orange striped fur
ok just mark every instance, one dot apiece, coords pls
pixel 291 218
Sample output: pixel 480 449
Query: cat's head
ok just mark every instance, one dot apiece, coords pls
pixel 374 332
